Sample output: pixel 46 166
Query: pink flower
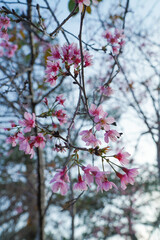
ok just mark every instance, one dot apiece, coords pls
pixel 124 180
pixel 122 156
pixel 60 99
pixel 29 122
pixel 61 115
pixel 115 40
pixel 131 173
pixel 95 111
pixel 12 140
pixel 39 141
pixel 55 53
pixel 9 48
pixel 60 184
pixel 89 138
pixel 80 185
pixel 81 2
pixel 60 181
pixel 87 59
pixel 45 101
pixel 107 91
pixel 52 68
pixel 24 145
pixel 103 122
pixel 89 173
pixel 51 79
pixel 61 174
pixel 103 183
pixel 115 49
pixel 107 35
pixel 4 22
pixel 112 134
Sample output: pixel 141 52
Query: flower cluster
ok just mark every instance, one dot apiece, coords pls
pixel 91 174
pixel 60 114
pixel 102 122
pixel 26 143
pixel 61 60
pixel 115 40
pixel 6 48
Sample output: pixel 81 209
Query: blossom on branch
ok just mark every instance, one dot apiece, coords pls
pixel 103 122
pixel 4 22
pixel 124 180
pixel 112 134
pixel 102 182
pixel 89 138
pixel 39 140
pixel 28 122
pixel 60 181
pixel 81 2
pixel 122 156
pixel 80 185
pixel 89 173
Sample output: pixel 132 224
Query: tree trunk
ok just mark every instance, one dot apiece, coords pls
pixel 40 159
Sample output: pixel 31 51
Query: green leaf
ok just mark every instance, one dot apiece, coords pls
pixel 71 6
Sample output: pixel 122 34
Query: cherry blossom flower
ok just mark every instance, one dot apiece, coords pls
pixel 87 59
pixel 60 184
pixel 122 156
pixel 61 174
pixel 51 79
pixel 45 101
pixel 4 22
pixel 89 173
pixel 102 182
pixel 29 122
pixel 124 180
pixel 39 140
pixel 89 138
pixel 12 140
pixel 112 134
pixel 81 2
pixel 60 99
pixel 80 185
pixel 71 54
pixel 55 52
pixel 24 144
pixel 9 48
pixel 107 35
pixel 61 115
pixel 115 39
pixel 60 181
pixel 95 111
pixel 107 91
pixel 52 67
pixel 131 173
pixel 103 122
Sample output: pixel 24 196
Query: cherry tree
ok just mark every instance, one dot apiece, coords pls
pixel 45 86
